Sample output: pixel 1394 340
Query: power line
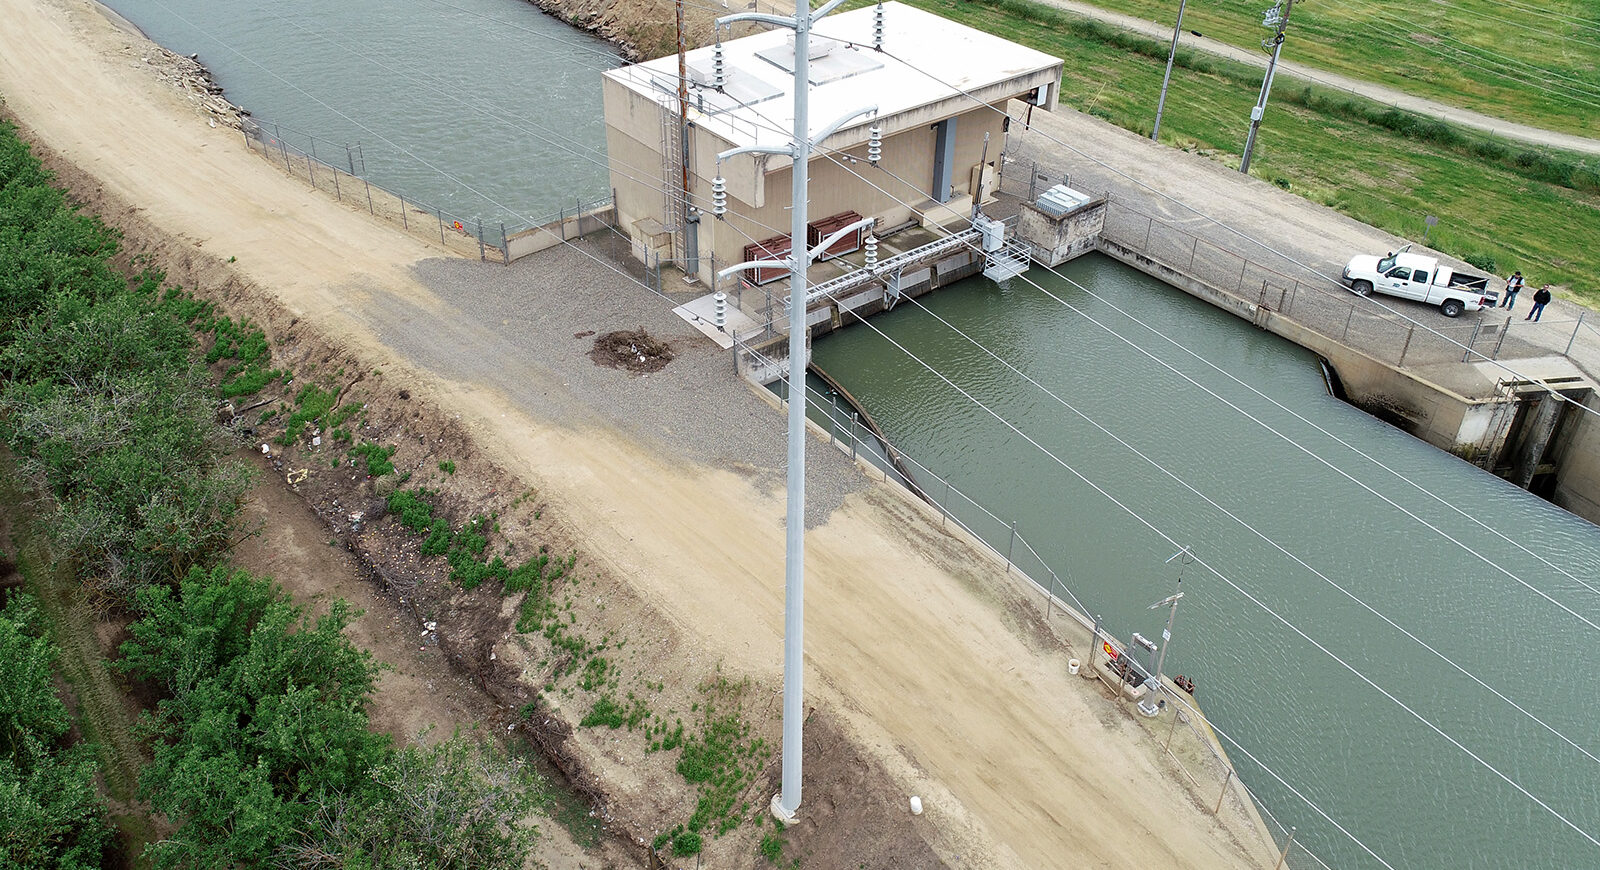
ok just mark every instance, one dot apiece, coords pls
pixel 1218 507
pixel 1254 241
pixel 1301 447
pixel 492 200
pixel 1224 511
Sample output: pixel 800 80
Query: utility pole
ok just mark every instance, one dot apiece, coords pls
pixel 787 801
pixel 1277 17
pixel 1155 132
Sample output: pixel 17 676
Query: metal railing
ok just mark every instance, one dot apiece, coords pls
pixel 1311 300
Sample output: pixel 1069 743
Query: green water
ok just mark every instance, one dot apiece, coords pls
pixel 485 108
pixel 1411 795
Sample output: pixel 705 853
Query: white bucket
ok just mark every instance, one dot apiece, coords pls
pixel 916 805
pixel 1072 666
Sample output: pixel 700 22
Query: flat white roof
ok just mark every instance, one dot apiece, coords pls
pixel 756 106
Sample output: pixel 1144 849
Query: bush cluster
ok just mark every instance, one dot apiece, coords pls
pixel 102 397
pixel 262 752
pixel 53 817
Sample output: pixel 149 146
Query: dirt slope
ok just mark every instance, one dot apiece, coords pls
pixel 917 645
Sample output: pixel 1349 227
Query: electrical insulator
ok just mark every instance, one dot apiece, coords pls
pixel 874 144
pixel 719 196
pixel 877 27
pixel 872 251
pixel 717 76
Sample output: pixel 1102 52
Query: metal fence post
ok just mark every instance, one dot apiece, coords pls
pixel 505 245
pixel 1225 781
pixel 1263 299
pixel 1575 328
pixel 1472 341
pixel 855 420
pixel 349 159
pixel 1094 641
pixel 1193 249
pixel 311 173
pixel 404 222
pixel 1149 223
pixel 482 255
pixel 944 506
pixel 370 209
pixel 440 213
pixel 1501 342
pixel 337 193
pixel 1243 265
pixel 1407 346
pixel 1286 847
pixel 1011 546
pixel 1349 317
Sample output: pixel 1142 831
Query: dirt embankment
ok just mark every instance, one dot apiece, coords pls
pixel 645 29
pixel 929 677
pixel 475 668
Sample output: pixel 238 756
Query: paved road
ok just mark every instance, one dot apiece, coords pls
pixel 1431 108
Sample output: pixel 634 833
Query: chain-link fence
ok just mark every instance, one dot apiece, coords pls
pixel 1181 731
pixel 1314 301
pixel 339 170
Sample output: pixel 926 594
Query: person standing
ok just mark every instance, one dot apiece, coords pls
pixel 1540 300
pixel 1513 287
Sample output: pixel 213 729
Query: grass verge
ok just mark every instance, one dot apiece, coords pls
pixel 1500 206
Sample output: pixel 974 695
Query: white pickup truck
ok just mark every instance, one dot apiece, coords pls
pixel 1413 276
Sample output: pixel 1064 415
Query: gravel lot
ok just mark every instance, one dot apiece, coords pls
pixel 528 316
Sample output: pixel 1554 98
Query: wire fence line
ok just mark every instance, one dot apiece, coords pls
pixel 1298 293
pixel 1193 749
pixel 340 171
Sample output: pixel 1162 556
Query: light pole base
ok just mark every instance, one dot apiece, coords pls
pixel 785 817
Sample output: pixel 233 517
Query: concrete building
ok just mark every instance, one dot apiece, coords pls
pixel 933 129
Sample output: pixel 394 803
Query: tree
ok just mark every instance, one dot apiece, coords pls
pixel 53 817
pixel 266 718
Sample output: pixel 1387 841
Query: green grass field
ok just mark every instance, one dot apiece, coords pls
pixel 1532 61
pixel 1500 206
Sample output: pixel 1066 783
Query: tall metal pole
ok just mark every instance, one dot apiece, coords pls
pixel 1266 86
pixel 1155 132
pixel 787 801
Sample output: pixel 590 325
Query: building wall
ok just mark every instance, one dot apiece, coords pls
pixel 759 186
pixel 633 151
pixel 889 192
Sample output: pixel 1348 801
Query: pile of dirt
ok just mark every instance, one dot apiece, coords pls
pixel 631 349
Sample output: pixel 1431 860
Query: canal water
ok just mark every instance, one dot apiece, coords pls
pixel 485 108
pixel 1409 792
pixel 489 107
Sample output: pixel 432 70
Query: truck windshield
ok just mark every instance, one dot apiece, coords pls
pixel 1385 264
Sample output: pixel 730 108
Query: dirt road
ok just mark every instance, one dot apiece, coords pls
pixel 1370 90
pixel 916 643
